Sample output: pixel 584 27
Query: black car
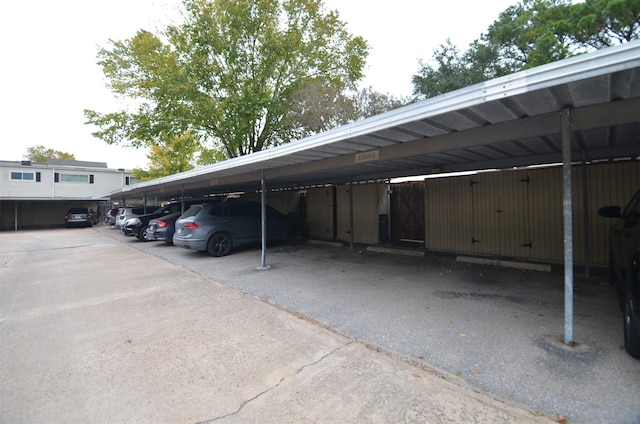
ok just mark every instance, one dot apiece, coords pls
pixel 80 217
pixel 624 263
pixel 163 228
pixel 137 226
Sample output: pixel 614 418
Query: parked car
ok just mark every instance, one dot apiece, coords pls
pixel 110 217
pixel 624 266
pixel 126 213
pixel 137 226
pixel 163 228
pixel 219 227
pixel 81 217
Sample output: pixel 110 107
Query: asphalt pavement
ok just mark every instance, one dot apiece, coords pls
pixel 96 327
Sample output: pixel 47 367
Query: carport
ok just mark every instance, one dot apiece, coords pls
pixel 582 109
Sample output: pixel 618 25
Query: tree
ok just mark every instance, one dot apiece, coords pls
pixel 528 34
pixel 228 75
pixel 368 102
pixel 453 70
pixel 318 107
pixel 531 33
pixel 177 154
pixel 41 154
pixel 604 23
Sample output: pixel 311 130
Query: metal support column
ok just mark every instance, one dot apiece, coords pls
pixel 263 217
pixel 182 199
pixel 585 216
pixel 568 226
pixel 351 213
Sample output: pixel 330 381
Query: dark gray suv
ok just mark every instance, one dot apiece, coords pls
pixel 624 242
pixel 81 217
pixel 219 227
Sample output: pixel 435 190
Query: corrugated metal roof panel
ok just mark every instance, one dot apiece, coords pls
pixel 509 121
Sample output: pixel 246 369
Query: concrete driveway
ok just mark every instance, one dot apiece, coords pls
pixel 102 328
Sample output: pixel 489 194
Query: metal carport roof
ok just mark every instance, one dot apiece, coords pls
pixel 506 122
pixel 583 108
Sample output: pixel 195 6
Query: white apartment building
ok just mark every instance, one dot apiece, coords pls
pixel 36 195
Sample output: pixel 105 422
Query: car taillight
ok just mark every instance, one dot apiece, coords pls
pixel 161 224
pixel 191 225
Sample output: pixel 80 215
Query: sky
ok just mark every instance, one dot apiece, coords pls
pixel 49 74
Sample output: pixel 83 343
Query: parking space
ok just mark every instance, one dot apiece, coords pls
pixel 498 329
pixel 93 330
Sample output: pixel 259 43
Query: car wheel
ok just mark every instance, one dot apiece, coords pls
pixel 297 235
pixel 631 336
pixel 220 244
pixel 142 234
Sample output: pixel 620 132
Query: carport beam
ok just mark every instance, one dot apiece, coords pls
pixel 568 226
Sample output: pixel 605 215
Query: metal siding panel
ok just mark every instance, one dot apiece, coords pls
pixel 608 184
pixel 365 205
pixel 342 201
pixel 546 214
pixel 486 225
pixel 365 213
pixel 448 214
pixel 320 213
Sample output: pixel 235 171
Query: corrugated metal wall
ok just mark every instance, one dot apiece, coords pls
pixel 285 201
pixel 320 216
pixel 449 214
pixel 365 213
pixel 519 213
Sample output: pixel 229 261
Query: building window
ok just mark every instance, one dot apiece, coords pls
pixel 25 176
pixel 73 178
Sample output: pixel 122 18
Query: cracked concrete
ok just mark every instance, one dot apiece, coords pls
pixel 146 341
pixel 282 380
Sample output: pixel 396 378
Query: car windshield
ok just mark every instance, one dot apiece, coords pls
pixel 78 210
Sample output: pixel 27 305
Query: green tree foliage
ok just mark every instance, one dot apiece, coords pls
pixel 528 34
pixel 228 75
pixel 175 155
pixel 454 70
pixel 40 154
pixel 605 23
pixel 531 33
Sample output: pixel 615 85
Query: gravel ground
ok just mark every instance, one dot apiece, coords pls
pixel 497 329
